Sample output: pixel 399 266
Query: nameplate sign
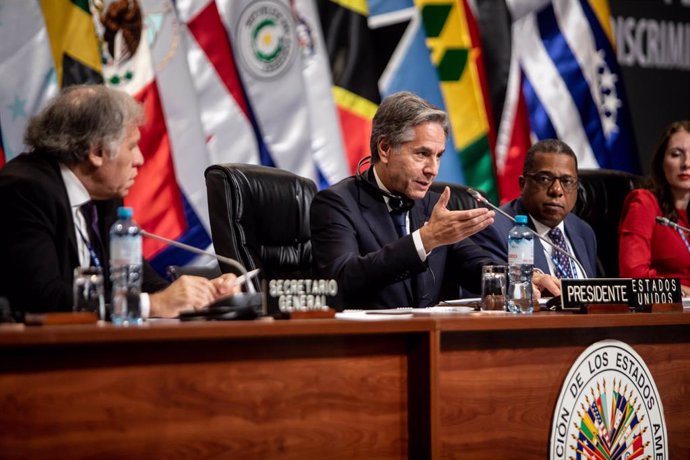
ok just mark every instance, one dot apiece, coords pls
pixel 638 293
pixel 300 295
pixel 656 294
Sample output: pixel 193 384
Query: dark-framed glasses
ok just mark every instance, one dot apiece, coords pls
pixel 546 181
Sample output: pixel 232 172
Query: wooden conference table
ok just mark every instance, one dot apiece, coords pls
pixel 471 386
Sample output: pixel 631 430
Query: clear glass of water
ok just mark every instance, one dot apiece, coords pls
pixel 87 291
pixel 494 280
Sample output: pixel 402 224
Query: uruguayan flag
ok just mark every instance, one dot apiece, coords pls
pixel 572 83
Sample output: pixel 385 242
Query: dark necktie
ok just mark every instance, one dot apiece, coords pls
pixel 399 221
pixel 90 213
pixel 560 260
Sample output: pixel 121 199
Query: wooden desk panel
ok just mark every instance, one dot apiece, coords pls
pixel 160 394
pixel 475 386
pixel 498 386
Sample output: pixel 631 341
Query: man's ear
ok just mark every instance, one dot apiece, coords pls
pixel 384 149
pixel 96 156
pixel 521 182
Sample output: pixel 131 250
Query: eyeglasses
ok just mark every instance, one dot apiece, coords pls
pixel 546 181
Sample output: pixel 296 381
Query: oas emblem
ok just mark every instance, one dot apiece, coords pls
pixel 609 408
pixel 266 38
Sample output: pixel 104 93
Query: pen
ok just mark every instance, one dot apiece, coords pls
pixel 243 278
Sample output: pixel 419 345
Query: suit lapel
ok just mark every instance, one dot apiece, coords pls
pixel 64 201
pixel 375 213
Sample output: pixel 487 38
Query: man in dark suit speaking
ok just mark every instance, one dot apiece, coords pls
pixel 84 153
pixel 548 192
pixel 388 240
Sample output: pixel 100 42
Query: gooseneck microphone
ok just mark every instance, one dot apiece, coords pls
pixel 232 262
pixel 669 223
pixel 480 198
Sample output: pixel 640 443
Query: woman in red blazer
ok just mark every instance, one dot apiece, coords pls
pixel 648 249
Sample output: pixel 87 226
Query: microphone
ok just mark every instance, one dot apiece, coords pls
pixel 669 223
pixel 480 198
pixel 245 277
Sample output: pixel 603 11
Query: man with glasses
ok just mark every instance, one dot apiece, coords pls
pixel 548 192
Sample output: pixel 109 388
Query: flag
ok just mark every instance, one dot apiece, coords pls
pixel 328 149
pixel 227 122
pixel 401 44
pixel 453 39
pixel 142 55
pixel 353 67
pixel 73 41
pixel 504 82
pixel 27 72
pixel 264 40
pixel 572 82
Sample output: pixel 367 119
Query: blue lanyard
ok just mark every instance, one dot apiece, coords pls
pixel 560 268
pixel 94 257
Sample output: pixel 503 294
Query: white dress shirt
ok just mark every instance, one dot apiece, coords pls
pixel 416 237
pixel 78 195
pixel 543 230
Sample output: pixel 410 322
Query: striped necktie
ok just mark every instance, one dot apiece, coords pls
pixel 560 260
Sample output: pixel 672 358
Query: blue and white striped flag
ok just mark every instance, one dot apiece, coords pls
pixel 572 82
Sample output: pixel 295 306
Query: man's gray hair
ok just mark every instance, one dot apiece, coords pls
pixel 82 118
pixel 396 118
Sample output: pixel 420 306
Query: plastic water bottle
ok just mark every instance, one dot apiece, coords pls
pixel 520 264
pixel 125 269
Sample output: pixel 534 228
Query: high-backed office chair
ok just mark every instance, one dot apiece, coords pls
pixel 260 216
pixel 600 197
pixel 459 198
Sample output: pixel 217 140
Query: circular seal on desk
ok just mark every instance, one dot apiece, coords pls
pixel 609 407
pixel 266 38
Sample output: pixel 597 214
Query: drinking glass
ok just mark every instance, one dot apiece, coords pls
pixel 88 291
pixel 494 280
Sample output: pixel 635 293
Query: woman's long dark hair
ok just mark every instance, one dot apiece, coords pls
pixel 659 185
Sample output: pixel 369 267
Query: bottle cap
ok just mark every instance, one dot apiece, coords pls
pixel 124 213
pixel 521 219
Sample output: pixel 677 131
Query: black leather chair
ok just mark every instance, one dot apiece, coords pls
pixel 600 197
pixel 459 198
pixel 260 216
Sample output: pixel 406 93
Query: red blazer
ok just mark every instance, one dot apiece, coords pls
pixel 648 249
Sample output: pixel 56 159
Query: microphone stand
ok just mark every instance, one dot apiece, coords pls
pixel 669 223
pixel 478 196
pixel 232 262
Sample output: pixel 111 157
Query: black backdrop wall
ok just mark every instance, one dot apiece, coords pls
pixel 653 38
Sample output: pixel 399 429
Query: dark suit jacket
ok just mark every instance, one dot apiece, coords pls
pixel 355 242
pixel 495 239
pixel 38 245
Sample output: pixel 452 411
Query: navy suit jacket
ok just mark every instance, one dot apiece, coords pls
pixel 495 239
pixel 355 242
pixel 38 243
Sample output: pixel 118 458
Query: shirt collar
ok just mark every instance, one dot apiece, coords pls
pixel 76 192
pixel 544 229
pixel 382 187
